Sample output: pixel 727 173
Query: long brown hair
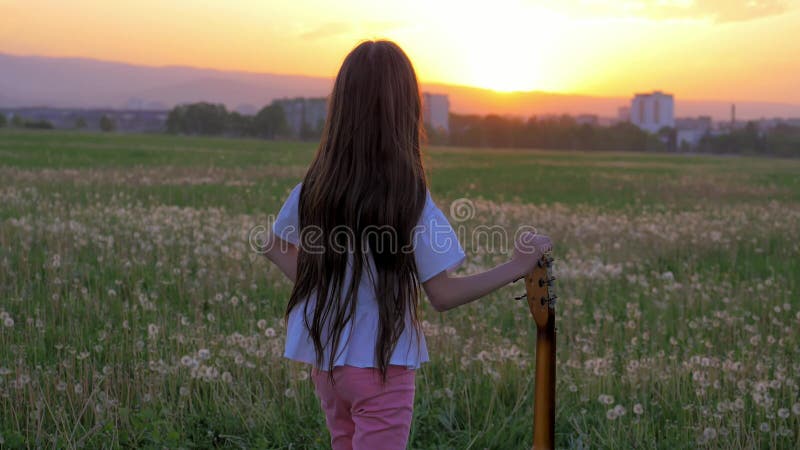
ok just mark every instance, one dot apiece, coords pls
pixel 367 175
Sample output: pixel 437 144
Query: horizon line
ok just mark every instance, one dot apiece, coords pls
pixel 431 83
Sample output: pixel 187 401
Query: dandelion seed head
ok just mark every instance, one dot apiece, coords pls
pixel 605 399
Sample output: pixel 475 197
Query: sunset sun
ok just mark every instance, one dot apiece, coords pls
pixel 502 48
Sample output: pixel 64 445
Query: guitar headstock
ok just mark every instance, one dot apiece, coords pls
pixel 539 291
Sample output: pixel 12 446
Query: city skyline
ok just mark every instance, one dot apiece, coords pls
pixel 740 51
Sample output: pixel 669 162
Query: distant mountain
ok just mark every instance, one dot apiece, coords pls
pixel 82 82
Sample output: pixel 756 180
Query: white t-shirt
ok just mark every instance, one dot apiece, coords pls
pixel 436 249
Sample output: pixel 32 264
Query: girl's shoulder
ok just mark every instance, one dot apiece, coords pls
pixel 294 195
pixel 430 211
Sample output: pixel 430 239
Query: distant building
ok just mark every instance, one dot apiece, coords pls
pixel 654 111
pixel 436 111
pixel 691 130
pixel 766 125
pixel 141 104
pixel 624 114
pixel 587 119
pixel 305 116
pixel 246 109
pixel 607 121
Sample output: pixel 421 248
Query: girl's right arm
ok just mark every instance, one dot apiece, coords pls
pixel 283 254
pixel 446 292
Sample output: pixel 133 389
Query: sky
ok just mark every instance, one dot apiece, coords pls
pixel 745 50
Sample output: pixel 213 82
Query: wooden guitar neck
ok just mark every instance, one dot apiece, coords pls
pixel 541 301
pixel 544 406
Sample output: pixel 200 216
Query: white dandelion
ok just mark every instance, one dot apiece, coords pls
pixel 605 399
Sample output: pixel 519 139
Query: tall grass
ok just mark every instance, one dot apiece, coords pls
pixel 134 314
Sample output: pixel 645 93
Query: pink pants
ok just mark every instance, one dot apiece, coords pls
pixel 363 414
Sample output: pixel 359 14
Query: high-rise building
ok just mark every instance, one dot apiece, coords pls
pixel 436 111
pixel 691 130
pixel 305 116
pixel 654 111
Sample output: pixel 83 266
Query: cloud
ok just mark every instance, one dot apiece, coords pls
pixel 719 11
pixel 365 29
pixel 327 30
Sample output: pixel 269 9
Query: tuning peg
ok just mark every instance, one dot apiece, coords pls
pixel 521 297
pixel 553 299
pixel 547 281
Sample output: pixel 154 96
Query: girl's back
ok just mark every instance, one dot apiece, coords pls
pixel 435 248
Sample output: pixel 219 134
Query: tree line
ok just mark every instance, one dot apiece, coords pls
pixel 558 133
pixel 782 140
pixel 566 133
pixel 469 130
pixel 214 119
pixel 106 123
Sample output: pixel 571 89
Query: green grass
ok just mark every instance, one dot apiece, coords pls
pixel 121 255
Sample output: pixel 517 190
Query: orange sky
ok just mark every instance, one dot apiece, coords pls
pixel 712 49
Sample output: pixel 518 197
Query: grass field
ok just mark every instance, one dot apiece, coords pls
pixel 134 314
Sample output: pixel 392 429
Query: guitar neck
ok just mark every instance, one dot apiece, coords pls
pixel 544 409
pixel 541 301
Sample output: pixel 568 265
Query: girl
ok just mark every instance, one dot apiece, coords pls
pixel 358 237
